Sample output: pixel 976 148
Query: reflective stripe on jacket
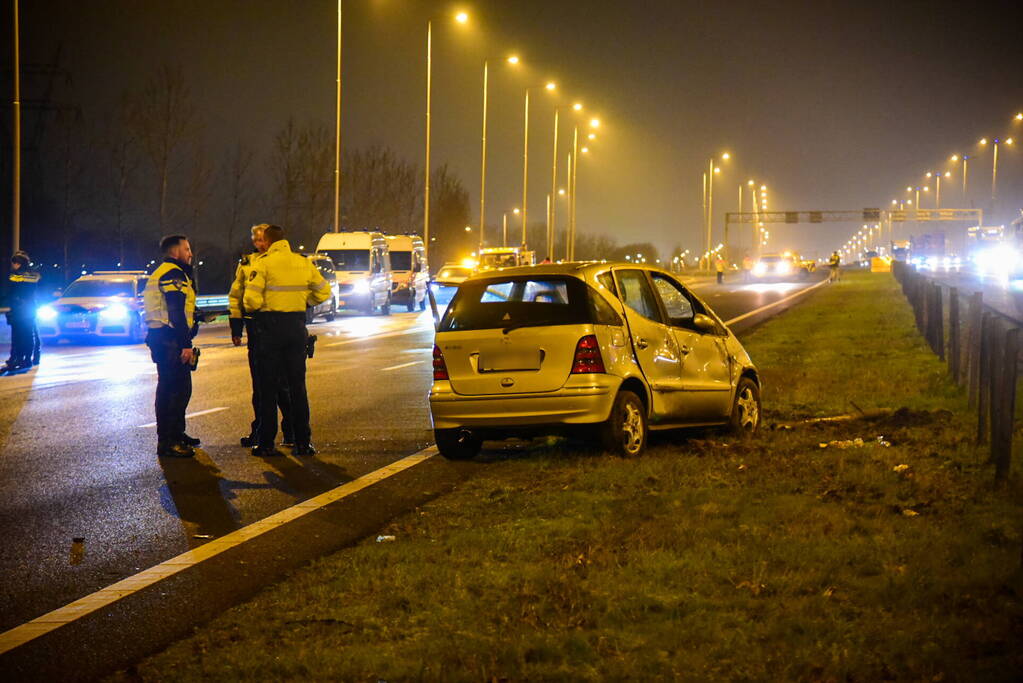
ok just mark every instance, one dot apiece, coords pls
pixel 282 281
pixel 169 300
pixel 22 290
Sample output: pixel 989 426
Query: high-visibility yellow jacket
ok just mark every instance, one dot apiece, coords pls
pixel 21 292
pixel 235 305
pixel 169 300
pixel 282 281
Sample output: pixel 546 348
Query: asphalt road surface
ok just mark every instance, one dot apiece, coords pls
pixel 998 294
pixel 77 461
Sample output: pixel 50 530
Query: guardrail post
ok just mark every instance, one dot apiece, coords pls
pixel 974 328
pixel 954 346
pixel 937 320
pixel 984 378
pixel 1001 439
pixel 920 297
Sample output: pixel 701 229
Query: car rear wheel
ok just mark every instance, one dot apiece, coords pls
pixel 625 431
pixel 745 417
pixel 457 444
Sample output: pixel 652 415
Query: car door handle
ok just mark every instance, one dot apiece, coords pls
pixel 685 350
pixel 641 343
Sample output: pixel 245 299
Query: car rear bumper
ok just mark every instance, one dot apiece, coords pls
pixel 585 399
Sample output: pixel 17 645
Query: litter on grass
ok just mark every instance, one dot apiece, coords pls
pixel 856 443
pixel 386 539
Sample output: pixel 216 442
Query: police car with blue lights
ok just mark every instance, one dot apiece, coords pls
pixel 101 305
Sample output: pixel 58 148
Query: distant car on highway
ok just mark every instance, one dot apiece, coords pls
pixel 781 267
pixel 328 308
pixel 453 274
pixel 101 305
pixel 410 274
pixel 596 349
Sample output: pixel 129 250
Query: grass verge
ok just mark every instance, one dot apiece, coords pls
pixel 708 558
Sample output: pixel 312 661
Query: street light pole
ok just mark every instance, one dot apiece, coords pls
pixel 337 131
pixel 483 164
pixel 16 199
pixel 426 189
pixel 554 189
pixel 710 208
pixel 525 168
pixel 504 229
pixel 575 187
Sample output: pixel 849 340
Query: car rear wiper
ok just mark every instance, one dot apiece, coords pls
pixel 515 327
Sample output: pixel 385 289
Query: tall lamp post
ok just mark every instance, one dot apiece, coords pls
pixel 483 157
pixel 16 111
pixel 337 131
pixel 711 170
pixel 461 18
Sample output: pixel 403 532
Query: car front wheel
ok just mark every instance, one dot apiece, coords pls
pixel 457 444
pixel 745 408
pixel 625 431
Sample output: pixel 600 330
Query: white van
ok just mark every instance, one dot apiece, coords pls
pixel 363 269
pixel 410 275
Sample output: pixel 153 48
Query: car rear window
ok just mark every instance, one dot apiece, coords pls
pixel 523 301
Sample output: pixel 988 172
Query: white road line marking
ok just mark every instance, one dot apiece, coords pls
pixel 776 303
pixel 404 365
pixel 381 336
pixel 201 412
pixel 19 635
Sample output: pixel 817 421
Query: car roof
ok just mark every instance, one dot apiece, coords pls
pixel 114 277
pixel 580 269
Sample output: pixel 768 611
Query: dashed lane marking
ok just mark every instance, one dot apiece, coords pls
pixel 404 365
pixel 19 635
pixel 197 414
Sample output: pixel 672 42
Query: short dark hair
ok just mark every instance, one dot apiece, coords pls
pixel 272 233
pixel 171 241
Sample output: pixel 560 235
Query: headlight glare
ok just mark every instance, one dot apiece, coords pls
pixel 114 312
pixel 46 313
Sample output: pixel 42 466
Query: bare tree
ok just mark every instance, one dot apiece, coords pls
pixel 122 158
pixel 236 169
pixel 287 171
pixel 199 189
pixel 163 117
pixel 316 168
pixel 71 150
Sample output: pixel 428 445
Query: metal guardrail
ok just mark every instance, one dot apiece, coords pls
pixel 982 349
pixel 213 303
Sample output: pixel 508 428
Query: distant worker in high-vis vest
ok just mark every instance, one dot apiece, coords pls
pixel 280 287
pixel 21 293
pixel 169 301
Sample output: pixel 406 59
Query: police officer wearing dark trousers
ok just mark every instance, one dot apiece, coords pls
pixel 280 287
pixel 169 300
pixel 21 296
pixel 240 319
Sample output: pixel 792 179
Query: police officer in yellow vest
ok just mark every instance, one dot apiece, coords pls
pixel 280 287
pixel 169 301
pixel 240 320
pixel 21 292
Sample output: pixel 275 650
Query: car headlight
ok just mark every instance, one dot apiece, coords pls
pixel 759 269
pixel 114 312
pixel 46 313
pixel 360 286
pixel 783 268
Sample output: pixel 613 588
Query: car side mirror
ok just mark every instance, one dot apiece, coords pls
pixel 704 323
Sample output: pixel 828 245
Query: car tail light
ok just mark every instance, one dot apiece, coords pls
pixel 440 369
pixel 587 356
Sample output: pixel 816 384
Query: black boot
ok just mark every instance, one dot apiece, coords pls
pixel 174 450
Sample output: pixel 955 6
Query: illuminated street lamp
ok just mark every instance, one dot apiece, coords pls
pixel 708 193
pixel 461 18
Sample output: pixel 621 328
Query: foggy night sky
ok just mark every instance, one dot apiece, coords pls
pixel 833 105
